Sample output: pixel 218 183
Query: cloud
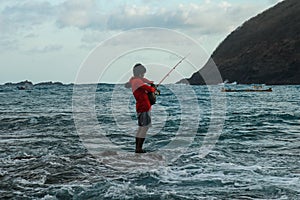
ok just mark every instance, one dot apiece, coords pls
pixel 91 38
pixel 209 18
pixel 133 16
pixel 8 44
pixel 22 20
pixel 80 14
pixel 25 15
pixel 30 35
pixel 46 49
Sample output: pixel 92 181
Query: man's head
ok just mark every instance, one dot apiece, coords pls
pixel 139 70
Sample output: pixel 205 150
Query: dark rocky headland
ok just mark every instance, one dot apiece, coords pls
pixel 264 50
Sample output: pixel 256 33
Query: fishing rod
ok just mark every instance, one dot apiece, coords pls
pixel 172 70
pixel 152 95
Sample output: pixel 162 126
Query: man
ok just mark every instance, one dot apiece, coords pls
pixel 140 89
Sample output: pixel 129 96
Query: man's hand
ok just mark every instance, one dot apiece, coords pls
pixel 157 92
pixel 127 85
pixel 153 85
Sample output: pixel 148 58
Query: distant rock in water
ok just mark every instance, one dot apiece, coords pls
pixel 22 83
pixel 48 83
pixel 25 85
pixel 265 49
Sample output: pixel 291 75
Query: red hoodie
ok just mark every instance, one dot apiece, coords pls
pixel 140 90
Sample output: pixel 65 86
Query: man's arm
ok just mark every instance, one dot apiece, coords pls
pixel 138 83
pixel 147 81
pixel 148 88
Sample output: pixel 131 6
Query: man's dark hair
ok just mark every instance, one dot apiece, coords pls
pixel 138 69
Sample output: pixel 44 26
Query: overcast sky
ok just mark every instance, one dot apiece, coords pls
pixel 48 40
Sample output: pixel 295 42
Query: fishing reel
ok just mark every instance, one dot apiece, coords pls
pixel 152 95
pixel 157 91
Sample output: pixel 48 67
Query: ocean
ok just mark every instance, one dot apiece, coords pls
pixel 77 142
